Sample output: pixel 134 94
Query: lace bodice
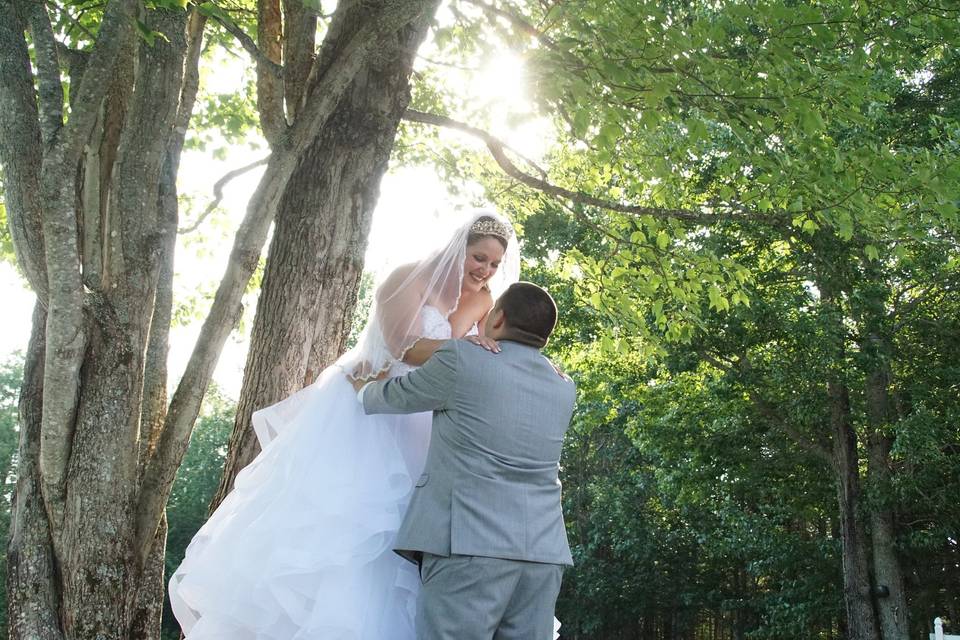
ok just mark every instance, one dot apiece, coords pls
pixel 435 327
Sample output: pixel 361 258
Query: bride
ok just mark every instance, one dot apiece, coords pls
pixel 301 548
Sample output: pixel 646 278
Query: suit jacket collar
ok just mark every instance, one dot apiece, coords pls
pixel 523 337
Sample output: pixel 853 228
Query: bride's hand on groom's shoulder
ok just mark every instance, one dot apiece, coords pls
pixel 483 341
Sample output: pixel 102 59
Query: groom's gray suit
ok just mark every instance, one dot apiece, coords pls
pixel 485 518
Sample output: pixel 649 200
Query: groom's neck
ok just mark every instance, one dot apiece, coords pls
pixel 519 335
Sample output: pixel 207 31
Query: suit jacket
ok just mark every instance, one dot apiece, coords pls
pixel 490 485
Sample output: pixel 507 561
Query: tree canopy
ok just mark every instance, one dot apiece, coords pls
pixel 748 214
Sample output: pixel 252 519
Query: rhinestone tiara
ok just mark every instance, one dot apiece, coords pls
pixel 491 227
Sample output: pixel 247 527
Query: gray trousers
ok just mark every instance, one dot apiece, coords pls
pixel 478 598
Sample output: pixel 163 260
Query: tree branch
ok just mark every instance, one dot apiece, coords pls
pixel 154 405
pixel 517 21
pixel 270 103
pixel 21 151
pixel 76 22
pixel 191 76
pixel 250 46
pixel 218 192
pixel 66 321
pixel 299 52
pixel 244 257
pixel 497 150
pixel 73 57
pixel 776 419
pixel 48 71
pixel 780 424
pixel 115 27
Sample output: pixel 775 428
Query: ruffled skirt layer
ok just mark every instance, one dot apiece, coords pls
pixel 301 548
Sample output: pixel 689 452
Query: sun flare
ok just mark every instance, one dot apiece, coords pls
pixel 502 79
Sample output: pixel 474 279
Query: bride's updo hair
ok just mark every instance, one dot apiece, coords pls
pixel 489 227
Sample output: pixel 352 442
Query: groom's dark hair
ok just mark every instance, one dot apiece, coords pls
pixel 530 313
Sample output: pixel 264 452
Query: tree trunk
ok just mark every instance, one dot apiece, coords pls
pixel 887 571
pixel 32 598
pixel 20 148
pixel 101 570
pixel 74 570
pixel 147 605
pixel 148 610
pixel 857 590
pixel 96 464
pixel 316 254
pixel 861 618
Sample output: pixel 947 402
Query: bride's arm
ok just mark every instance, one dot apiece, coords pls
pixel 423 348
pixel 475 314
pixel 472 311
pixel 421 351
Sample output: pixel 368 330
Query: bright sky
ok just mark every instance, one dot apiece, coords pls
pixel 415 208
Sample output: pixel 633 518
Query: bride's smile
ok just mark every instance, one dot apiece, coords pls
pixel 481 263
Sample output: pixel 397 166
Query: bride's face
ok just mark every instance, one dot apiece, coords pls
pixel 482 261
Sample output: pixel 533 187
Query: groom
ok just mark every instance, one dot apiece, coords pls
pixel 485 521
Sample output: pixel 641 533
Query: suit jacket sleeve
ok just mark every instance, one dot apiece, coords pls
pixel 425 389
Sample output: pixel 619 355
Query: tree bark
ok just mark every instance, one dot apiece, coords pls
pixel 857 590
pixel 32 592
pixel 100 569
pixel 20 148
pixel 316 254
pixel 273 121
pixel 299 47
pixel 74 573
pixel 887 571
pixel 861 618
pixel 146 606
pixel 97 467
pixel 154 408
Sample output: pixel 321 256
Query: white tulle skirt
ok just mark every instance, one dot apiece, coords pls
pixel 301 548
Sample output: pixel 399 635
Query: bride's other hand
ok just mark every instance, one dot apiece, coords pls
pixel 359 383
pixel 483 341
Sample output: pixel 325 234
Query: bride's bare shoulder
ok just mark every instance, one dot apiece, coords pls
pixel 484 300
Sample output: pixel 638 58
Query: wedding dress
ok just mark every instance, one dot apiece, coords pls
pixel 301 548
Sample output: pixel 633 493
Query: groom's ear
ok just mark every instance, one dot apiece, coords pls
pixel 498 318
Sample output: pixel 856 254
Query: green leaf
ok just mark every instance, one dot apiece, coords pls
pixel 171 5
pixel 212 10
pixel 663 240
pixel 812 121
pixel 810 227
pixel 660 90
